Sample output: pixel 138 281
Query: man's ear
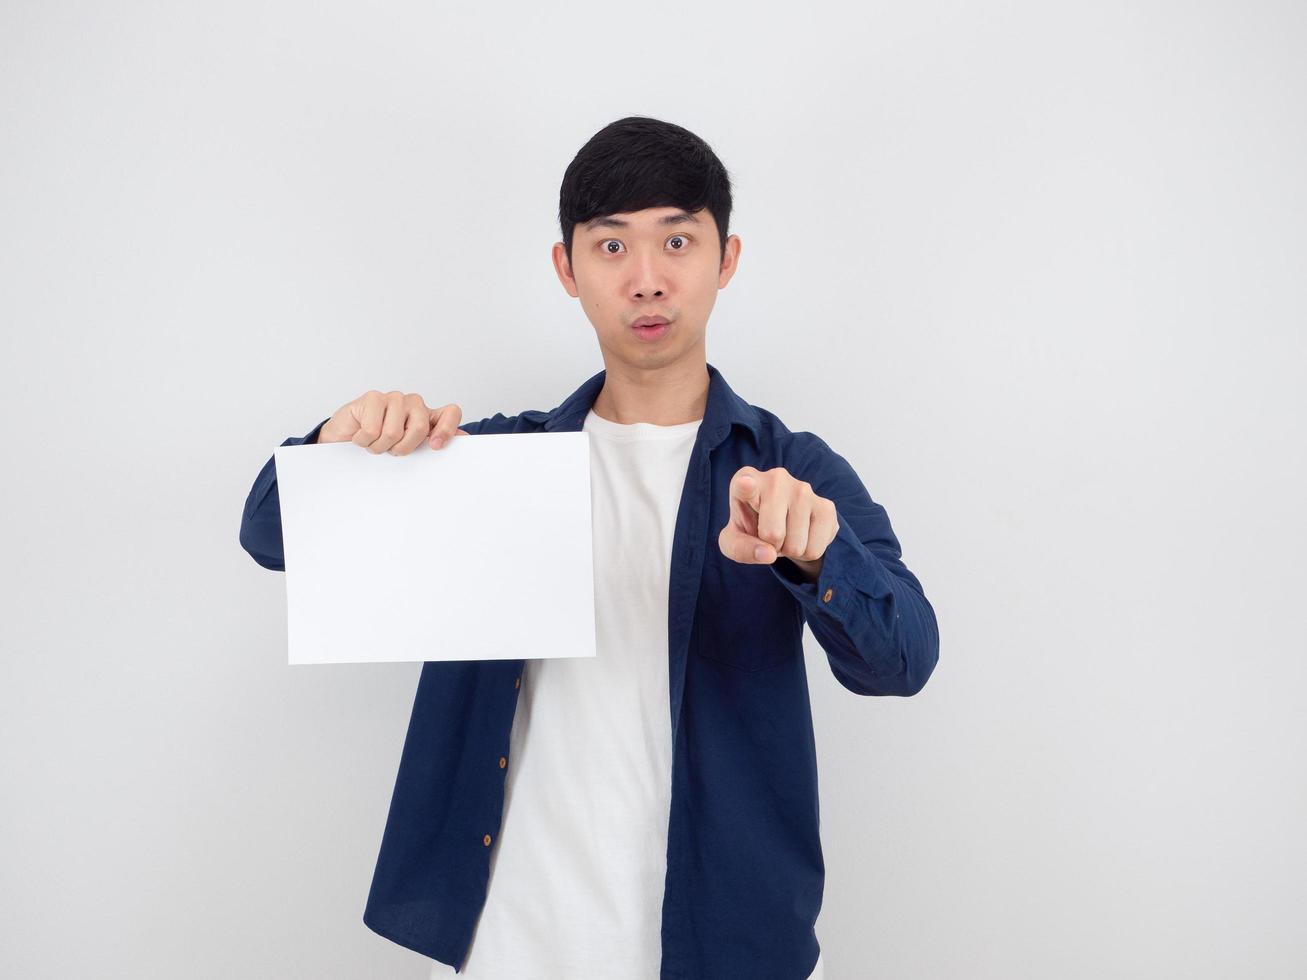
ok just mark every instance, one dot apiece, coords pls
pixel 563 268
pixel 730 261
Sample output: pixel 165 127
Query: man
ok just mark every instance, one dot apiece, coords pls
pixel 664 815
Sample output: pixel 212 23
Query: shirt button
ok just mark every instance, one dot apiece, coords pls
pixel 517 683
pixel 486 840
pixel 502 762
pixel 826 597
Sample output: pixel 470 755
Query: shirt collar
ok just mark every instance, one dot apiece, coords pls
pixel 724 408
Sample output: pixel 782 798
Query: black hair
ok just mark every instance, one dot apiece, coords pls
pixel 639 162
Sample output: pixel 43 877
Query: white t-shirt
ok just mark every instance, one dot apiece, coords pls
pixel 576 879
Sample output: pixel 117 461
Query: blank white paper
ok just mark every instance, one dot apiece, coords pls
pixel 481 550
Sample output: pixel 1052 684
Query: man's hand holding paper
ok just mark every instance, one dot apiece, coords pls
pixel 482 551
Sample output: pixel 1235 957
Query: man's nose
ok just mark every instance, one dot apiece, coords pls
pixel 650 278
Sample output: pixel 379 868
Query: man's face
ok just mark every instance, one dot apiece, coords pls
pixel 656 262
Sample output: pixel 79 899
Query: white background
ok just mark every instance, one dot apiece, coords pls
pixel 1035 269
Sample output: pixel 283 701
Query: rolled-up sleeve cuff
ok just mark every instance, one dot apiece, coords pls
pixel 847 565
pixel 311 437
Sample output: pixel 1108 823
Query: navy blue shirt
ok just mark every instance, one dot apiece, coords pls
pixel 745 871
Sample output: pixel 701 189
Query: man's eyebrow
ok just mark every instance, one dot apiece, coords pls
pixel 679 217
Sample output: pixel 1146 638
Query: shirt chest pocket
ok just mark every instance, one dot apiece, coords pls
pixel 745 618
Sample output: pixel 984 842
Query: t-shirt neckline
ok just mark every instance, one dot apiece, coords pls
pixel 607 428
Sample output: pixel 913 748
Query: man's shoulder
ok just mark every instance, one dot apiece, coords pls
pixel 528 420
pixel 804 454
pixel 779 441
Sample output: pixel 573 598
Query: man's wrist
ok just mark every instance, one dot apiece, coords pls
pixel 809 571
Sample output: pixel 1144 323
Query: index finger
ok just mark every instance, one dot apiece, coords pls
pixel 746 487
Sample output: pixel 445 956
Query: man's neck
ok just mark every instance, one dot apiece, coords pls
pixel 671 395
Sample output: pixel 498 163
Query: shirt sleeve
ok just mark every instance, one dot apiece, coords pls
pixel 866 609
pixel 260 533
